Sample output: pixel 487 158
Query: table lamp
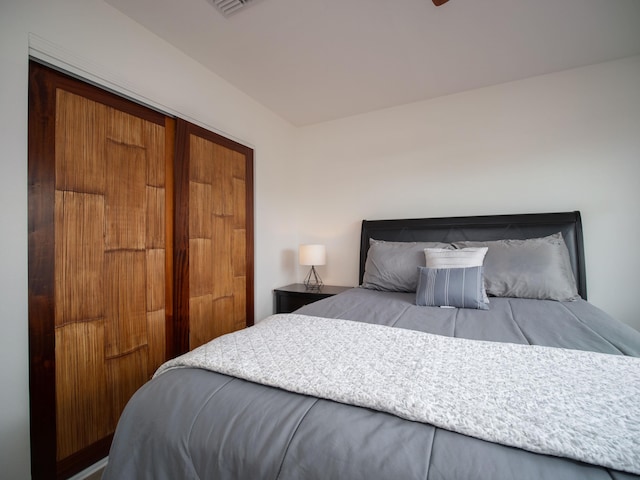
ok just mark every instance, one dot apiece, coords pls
pixel 312 255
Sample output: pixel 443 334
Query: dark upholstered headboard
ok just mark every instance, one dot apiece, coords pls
pixel 482 228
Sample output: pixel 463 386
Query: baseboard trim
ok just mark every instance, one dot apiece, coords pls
pixel 96 467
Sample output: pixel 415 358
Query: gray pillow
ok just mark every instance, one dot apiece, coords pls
pixel 537 268
pixel 392 266
pixel 451 287
pixel 460 258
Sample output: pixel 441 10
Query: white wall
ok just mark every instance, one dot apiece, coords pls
pixel 102 44
pixel 560 142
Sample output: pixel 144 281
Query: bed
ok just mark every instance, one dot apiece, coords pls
pixel 190 422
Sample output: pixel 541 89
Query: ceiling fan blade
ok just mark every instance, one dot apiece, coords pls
pixel 437 3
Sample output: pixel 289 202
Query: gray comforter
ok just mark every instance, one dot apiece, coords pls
pixel 191 423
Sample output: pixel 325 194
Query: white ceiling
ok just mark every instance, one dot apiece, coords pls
pixel 316 60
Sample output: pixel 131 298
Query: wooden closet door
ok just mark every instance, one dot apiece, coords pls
pixel 213 236
pixel 99 180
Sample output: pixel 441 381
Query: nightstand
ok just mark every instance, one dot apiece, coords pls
pixel 296 295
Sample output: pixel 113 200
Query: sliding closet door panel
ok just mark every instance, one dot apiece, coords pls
pixel 214 239
pixel 104 323
pixel 109 238
pixel 213 189
pixel 140 248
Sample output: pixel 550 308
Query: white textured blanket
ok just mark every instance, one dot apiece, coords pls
pixel 580 405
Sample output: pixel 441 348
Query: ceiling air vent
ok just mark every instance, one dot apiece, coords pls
pixel 227 7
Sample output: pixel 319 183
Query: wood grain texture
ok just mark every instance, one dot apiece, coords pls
pixel 125 298
pixel 80 133
pixel 222 181
pixel 121 229
pixel 239 252
pixel 97 235
pixel 224 318
pixel 125 129
pixel 200 215
pixel 201 312
pixel 178 342
pixel 201 273
pixel 156 341
pixel 156 293
pixel 155 217
pixel 213 236
pixel 200 151
pixel 125 196
pixel 217 239
pixel 125 374
pixel 169 199
pixel 82 396
pixel 153 140
pixel 41 272
pixel 239 302
pixel 79 256
pixel 240 203
pixel 222 257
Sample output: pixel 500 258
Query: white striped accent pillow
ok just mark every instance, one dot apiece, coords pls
pixel 460 258
pixel 450 287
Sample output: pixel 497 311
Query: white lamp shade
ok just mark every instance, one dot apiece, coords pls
pixel 312 255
